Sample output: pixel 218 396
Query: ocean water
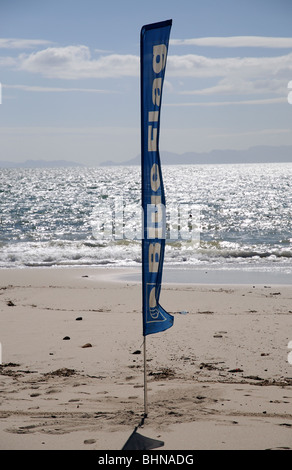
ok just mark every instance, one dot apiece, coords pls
pixel 228 217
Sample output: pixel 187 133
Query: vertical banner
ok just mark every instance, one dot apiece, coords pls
pixel 154 47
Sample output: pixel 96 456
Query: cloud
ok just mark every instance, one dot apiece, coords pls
pixel 42 89
pixel 234 75
pixel 192 65
pixel 230 103
pixel 13 43
pixel 238 85
pixel 74 62
pixel 8 61
pixel 235 41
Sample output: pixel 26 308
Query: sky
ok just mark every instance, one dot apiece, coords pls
pixel 69 74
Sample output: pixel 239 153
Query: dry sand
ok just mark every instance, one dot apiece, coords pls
pixel 218 379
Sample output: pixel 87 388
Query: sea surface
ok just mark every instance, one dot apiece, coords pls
pixel 227 217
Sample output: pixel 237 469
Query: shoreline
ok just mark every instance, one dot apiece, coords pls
pixel 192 275
pixel 218 379
pixel 202 276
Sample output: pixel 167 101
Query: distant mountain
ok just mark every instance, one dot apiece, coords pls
pixel 39 164
pixel 258 154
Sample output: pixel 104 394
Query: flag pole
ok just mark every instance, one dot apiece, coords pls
pixel 145 381
pixel 154 40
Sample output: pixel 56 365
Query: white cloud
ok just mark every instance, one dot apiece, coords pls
pixel 73 62
pixel 8 61
pixel 42 89
pixel 230 103
pixel 231 41
pixel 235 75
pixel 235 41
pixel 237 85
pixel 192 65
pixel 13 43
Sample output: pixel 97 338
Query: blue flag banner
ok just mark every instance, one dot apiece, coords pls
pixel 154 47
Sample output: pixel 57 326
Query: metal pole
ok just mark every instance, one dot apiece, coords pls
pixel 145 381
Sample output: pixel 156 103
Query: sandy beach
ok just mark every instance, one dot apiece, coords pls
pixel 72 365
